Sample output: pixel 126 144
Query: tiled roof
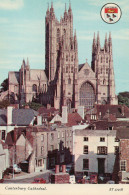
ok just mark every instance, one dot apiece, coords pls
pixel 47 112
pixel 10 138
pixel 74 119
pixel 105 124
pixel 123 133
pixel 119 111
pixel 85 132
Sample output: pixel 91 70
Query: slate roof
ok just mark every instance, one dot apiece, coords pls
pixel 21 117
pixel 3 117
pixel 80 66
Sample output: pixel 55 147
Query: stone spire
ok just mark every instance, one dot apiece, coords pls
pixel 52 14
pixel 27 62
pixel 65 13
pixel 48 11
pixel 106 43
pixel 75 41
pixel 110 42
pixel 98 42
pixel 94 44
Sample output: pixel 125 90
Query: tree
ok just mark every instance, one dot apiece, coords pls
pixel 4 85
pixel 33 105
pixel 4 104
pixel 123 98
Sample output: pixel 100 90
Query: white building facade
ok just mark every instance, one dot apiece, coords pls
pixel 94 151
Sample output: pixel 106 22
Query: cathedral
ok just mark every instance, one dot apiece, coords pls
pixel 64 81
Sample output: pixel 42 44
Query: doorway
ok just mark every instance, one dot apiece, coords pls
pixel 101 166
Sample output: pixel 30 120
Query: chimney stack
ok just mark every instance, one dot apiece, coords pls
pixel 81 111
pixel 64 114
pixel 39 120
pixel 9 115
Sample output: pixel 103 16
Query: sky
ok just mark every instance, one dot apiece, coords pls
pixel 22 34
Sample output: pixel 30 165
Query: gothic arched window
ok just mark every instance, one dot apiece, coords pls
pixel 69 81
pixel 67 69
pixel 72 69
pixel 64 34
pixel 34 88
pixel 107 60
pixel 58 35
pixel 67 58
pixel 72 58
pixel 87 95
pixel 101 59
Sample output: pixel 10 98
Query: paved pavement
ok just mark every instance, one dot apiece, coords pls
pixel 29 177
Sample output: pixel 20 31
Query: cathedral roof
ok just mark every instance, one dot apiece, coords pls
pixel 37 74
pixel 80 66
pixel 14 77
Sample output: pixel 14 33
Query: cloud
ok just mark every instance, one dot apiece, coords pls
pixel 59 5
pixel 11 4
pixel 87 16
pixel 122 34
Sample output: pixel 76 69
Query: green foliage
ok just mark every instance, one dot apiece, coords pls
pixel 123 98
pixel 4 85
pixel 34 106
pixel 4 104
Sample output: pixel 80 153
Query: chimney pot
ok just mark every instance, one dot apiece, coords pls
pixel 57 169
pixel 64 168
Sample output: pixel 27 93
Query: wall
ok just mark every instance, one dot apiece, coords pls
pixel 93 143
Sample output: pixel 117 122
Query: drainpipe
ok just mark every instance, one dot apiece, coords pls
pixel 107 152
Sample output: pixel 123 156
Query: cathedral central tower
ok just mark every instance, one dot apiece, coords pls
pixel 61 57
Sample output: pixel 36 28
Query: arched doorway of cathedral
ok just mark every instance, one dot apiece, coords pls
pixel 87 95
pixel 68 103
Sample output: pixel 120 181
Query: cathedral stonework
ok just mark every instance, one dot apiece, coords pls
pixel 64 82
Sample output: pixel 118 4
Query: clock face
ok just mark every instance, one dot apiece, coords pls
pixel 86 71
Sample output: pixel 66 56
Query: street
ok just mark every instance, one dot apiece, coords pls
pixel 30 179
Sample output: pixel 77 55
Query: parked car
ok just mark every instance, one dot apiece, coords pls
pixel 39 180
pixel 92 179
pixel 110 182
pixel 70 169
pixel 14 168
